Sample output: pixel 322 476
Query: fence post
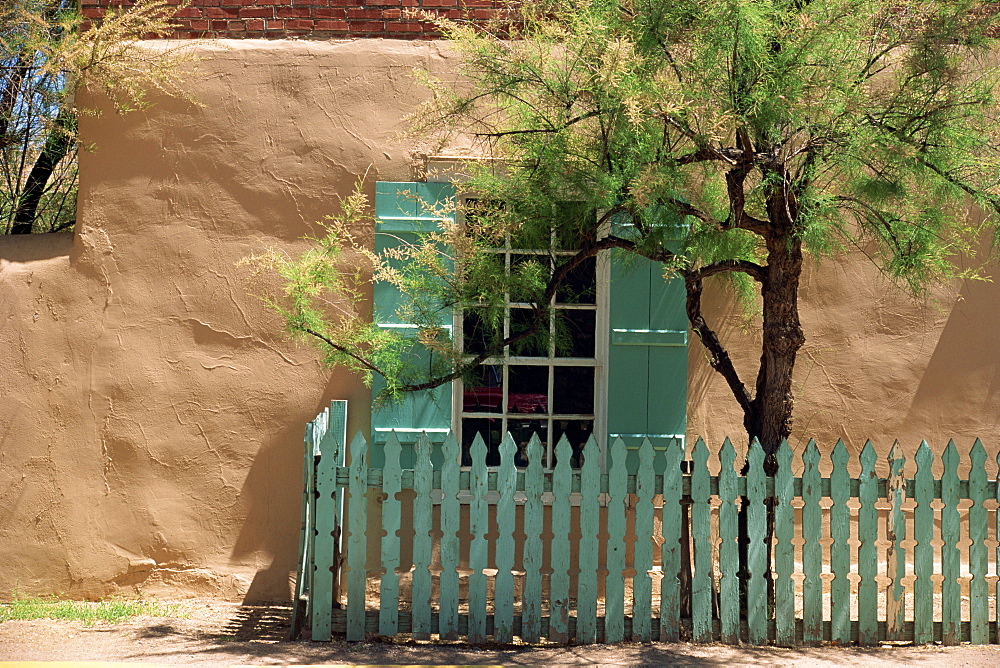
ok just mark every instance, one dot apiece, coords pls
pixel 896 555
pixel 979 606
pixel 503 589
pixel 701 585
pixel 423 482
pixel 670 555
pixel 642 585
pixel 307 530
pixel 784 551
pixel 997 520
pixel 562 481
pixel 392 476
pixel 614 588
pixel 812 550
pixel 923 552
pixel 868 491
pixel 357 547
pixel 328 518
pixel 590 526
pixel 756 549
pixel 951 607
pixel 479 549
pixel 450 507
pixel 531 608
pixel 840 550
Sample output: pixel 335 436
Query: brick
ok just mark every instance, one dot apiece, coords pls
pixel 439 3
pixel 221 12
pixel 293 12
pixel 198 24
pixel 236 26
pixel 331 25
pixel 330 13
pixel 300 24
pixel 364 13
pixel 256 13
pixel 367 26
pixel 255 24
pixel 91 12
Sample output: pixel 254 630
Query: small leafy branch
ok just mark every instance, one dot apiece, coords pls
pixel 46 58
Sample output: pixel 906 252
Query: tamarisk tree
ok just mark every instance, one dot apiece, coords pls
pixel 45 58
pixel 726 140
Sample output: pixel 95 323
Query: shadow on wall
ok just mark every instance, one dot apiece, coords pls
pixel 273 489
pixel 959 393
pixel 35 247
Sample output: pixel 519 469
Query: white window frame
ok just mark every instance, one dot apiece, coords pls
pixel 601 309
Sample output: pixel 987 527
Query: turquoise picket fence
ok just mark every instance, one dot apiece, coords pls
pixel 589 555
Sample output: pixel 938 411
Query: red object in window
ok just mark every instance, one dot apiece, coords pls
pixel 527 402
pixel 482 397
pixel 489 398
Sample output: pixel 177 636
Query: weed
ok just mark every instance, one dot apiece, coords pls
pixel 112 610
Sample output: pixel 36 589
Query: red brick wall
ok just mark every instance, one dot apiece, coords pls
pixel 311 19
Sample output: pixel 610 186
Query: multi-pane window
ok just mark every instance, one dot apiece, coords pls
pixel 543 384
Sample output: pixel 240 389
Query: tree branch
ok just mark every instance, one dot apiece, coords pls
pixel 341 349
pixel 752 269
pixel 549 130
pixel 718 355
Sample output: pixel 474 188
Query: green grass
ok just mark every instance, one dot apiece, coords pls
pixel 111 611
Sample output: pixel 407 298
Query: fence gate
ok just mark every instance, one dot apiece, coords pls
pixel 585 555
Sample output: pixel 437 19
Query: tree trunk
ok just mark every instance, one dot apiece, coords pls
pixel 770 421
pixel 56 147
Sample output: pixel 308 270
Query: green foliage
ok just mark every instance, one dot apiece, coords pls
pixel 754 130
pixel 861 107
pixel 45 59
pixel 109 611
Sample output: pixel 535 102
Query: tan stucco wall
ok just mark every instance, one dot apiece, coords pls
pixel 150 435
pixel 152 418
pixel 877 364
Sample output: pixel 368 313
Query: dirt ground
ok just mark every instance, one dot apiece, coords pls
pixel 213 632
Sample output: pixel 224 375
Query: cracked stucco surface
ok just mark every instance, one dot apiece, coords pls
pixel 150 435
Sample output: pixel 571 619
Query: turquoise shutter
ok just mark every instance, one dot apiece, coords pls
pixel 402 219
pixel 647 356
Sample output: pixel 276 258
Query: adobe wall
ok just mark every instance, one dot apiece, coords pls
pixel 151 431
pixel 150 437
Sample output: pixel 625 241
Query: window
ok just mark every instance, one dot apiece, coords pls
pixel 551 384
pixel 621 371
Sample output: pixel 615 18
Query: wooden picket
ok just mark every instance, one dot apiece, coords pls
pixel 536 539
